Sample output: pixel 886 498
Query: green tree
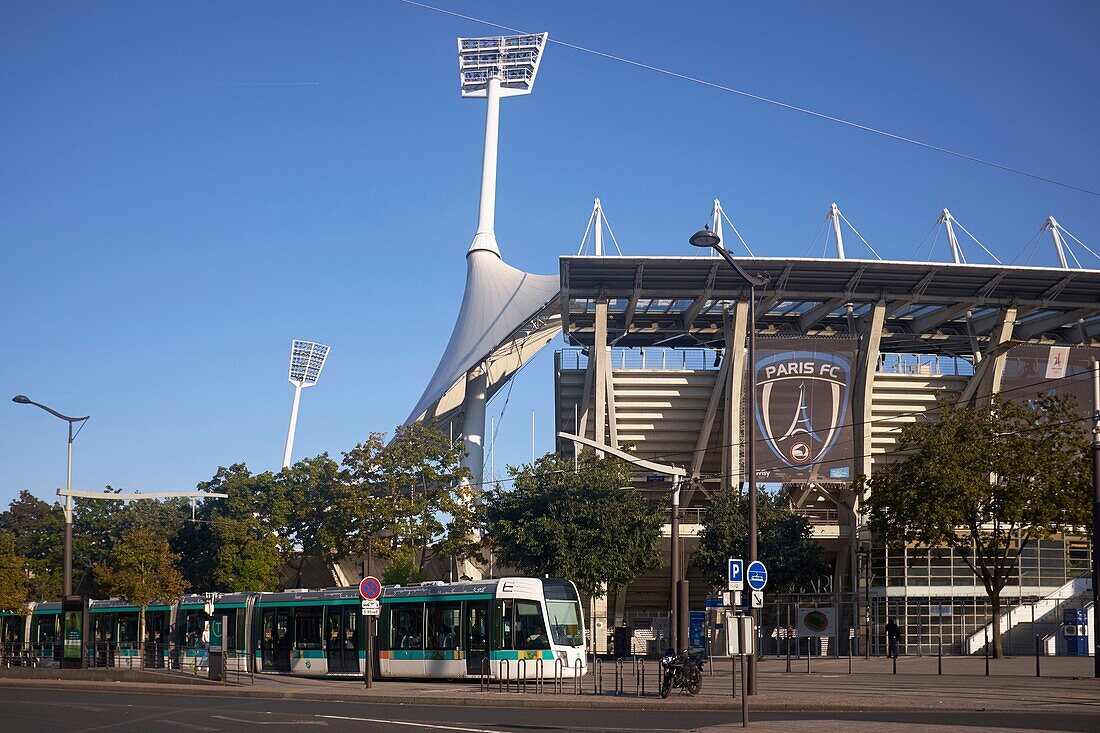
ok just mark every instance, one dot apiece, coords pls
pixel 38 532
pixel 784 541
pixel 986 482
pixel 13 575
pixel 578 525
pixel 408 500
pixel 142 569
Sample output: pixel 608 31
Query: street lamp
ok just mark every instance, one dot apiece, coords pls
pixel 67 579
pixel 707 238
pixel 864 552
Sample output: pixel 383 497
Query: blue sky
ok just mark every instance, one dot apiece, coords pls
pixel 185 187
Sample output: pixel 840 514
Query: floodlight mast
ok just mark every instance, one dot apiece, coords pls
pixel 490 68
pixel 307 359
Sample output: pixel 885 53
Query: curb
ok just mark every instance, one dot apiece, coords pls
pixel 476 699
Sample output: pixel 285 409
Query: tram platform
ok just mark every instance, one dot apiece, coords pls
pixel 1066 684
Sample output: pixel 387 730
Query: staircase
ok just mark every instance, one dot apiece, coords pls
pixel 1021 624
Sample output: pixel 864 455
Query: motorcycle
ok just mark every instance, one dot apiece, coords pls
pixel 684 671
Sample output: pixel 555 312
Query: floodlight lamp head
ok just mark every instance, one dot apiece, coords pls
pixel 705 238
pixel 21 399
pixel 514 60
pixel 307 359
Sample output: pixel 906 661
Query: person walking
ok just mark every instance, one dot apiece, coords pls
pixel 893 631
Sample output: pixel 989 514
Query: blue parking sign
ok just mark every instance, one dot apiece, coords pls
pixel 736 573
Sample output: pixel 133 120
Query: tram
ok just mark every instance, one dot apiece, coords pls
pixel 507 628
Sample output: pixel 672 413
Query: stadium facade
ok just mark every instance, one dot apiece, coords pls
pixel 848 351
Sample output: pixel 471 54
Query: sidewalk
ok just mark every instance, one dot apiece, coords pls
pixel 871 687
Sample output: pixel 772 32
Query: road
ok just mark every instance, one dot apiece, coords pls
pixel 24 710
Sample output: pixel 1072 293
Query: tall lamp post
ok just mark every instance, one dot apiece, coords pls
pixel 864 553
pixel 67 580
pixel 707 238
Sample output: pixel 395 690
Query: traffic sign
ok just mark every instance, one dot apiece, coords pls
pixel 757 575
pixel 370 588
pixel 371 607
pixel 736 573
pixel 757 599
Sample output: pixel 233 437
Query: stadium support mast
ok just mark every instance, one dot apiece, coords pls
pixel 490 68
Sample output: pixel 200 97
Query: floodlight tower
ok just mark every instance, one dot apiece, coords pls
pixel 307 359
pixel 489 68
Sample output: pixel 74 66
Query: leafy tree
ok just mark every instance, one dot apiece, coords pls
pixel 142 569
pixel 578 525
pixel 402 569
pixel 38 532
pixel 408 500
pixel 978 479
pixel 13 575
pixel 238 542
pixel 784 541
pixel 312 522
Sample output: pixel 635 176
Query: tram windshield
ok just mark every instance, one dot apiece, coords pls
pixel 564 610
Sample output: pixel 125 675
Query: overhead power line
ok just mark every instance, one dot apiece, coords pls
pixel 768 100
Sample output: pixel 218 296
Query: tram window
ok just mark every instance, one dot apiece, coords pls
pixel 504 640
pixel 407 627
pixel 530 629
pixel 444 631
pixel 47 628
pixel 127 628
pixel 194 624
pixel 307 628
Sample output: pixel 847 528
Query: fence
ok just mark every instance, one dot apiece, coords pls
pixel 123 655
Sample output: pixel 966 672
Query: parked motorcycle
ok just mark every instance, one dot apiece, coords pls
pixel 684 671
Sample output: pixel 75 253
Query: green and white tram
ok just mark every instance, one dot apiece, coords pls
pixel 314 633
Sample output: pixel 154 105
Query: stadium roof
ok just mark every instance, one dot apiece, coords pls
pixel 930 306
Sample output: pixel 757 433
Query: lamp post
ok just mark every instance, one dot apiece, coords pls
pixel 707 238
pixel 307 359
pixel 67 578
pixel 864 552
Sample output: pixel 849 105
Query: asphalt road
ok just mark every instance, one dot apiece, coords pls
pixel 72 711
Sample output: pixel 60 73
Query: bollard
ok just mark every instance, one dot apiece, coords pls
pixel 1037 673
pixel 643 678
pixel 578 668
pixel 484 686
pixel 597 679
pixel 620 672
pixel 539 664
pixel 733 674
pixel 788 651
pixel 559 674
pixel 894 659
pixel 521 675
pixel 849 655
pixel 939 655
pixel 639 675
pixel 987 653
pixel 505 667
pixel 808 655
pixel 744 695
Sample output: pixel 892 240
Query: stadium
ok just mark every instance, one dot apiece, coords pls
pixel 847 350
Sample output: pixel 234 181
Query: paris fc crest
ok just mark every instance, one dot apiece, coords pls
pixel 802 406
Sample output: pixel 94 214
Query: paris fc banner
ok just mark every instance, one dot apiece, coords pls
pixel 803 409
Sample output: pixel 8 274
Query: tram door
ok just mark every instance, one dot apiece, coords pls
pixel 275 641
pixel 342 643
pixel 476 634
pixel 155 634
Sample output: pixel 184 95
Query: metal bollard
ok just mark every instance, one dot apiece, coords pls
pixel 484 686
pixel 643 677
pixel 849 655
pixel 578 668
pixel 808 655
pixel 620 671
pixel 505 675
pixel 987 653
pixel 1037 671
pixel 559 673
pixel 733 672
pixel 521 675
pixel 539 665
pixel 788 652
pixel 939 655
pixel 894 657
pixel 597 679
pixel 637 677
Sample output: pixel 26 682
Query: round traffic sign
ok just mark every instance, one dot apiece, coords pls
pixel 756 575
pixel 370 588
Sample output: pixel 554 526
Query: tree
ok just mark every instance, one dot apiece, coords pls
pixel 141 569
pixel 408 500
pixel 578 525
pixel 986 482
pixel 784 541
pixel 13 575
pixel 38 532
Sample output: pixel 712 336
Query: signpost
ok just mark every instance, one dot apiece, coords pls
pixel 736 574
pixel 370 589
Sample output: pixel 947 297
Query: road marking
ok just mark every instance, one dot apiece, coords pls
pixel 271 722
pixel 182 724
pixel 433 726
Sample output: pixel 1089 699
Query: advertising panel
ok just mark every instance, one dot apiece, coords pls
pixel 816 622
pixel 1033 369
pixel 803 409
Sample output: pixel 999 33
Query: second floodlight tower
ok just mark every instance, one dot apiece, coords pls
pixel 489 68
pixel 307 359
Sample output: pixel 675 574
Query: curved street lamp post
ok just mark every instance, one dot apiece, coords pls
pixel 67 580
pixel 708 239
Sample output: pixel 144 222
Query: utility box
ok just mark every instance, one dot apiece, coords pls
pixel 1075 631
